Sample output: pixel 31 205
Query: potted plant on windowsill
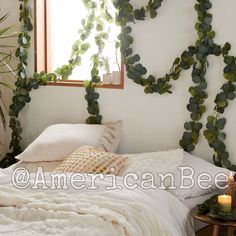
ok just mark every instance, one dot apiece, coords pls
pixel 115 78
pixel 106 79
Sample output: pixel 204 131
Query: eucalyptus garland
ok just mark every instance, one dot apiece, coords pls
pixel 100 39
pixel 24 85
pixel 92 96
pixel 215 123
pixel 135 70
pixel 79 47
pixel 21 95
pixel 204 47
pixel 98 14
pixel 195 57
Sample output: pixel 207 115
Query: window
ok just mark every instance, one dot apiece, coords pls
pixel 56 30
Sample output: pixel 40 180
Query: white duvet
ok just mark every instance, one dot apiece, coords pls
pixel 85 213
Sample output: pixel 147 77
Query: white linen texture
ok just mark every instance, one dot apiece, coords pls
pixel 199 166
pixel 91 213
pixel 154 162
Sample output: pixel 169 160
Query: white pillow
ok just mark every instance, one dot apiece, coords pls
pixel 58 141
pixel 199 166
pixel 155 163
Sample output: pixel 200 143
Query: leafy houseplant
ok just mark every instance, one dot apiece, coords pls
pixel 116 73
pixel 5 58
pixel 106 65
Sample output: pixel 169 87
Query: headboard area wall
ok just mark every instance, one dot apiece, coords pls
pixel 151 122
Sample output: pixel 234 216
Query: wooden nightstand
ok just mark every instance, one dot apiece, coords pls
pixel 217 225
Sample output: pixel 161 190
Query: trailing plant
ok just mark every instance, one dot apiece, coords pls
pixel 216 123
pixel 25 85
pixel 135 70
pixel 101 36
pixel 105 64
pixel 196 106
pixel 80 47
pixel 98 14
pixel 203 48
pixel 117 46
pixel 21 94
pixel 92 96
pixel 194 57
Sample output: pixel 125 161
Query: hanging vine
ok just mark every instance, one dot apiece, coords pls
pixel 195 57
pixel 101 36
pixel 204 47
pixel 215 123
pixel 24 85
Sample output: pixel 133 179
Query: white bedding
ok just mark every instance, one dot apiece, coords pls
pixel 72 212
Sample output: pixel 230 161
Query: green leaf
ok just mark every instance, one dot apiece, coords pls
pixel 188 126
pixel 222 104
pixel 153 13
pixel 221 123
pixel 190 148
pixel 139 14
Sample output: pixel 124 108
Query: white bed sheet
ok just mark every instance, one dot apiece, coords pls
pixel 170 213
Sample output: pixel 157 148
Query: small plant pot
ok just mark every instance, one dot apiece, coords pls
pixel 106 78
pixel 115 77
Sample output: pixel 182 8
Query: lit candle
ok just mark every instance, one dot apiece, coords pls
pixel 225 203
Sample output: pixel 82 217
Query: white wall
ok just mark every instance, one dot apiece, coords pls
pixel 151 122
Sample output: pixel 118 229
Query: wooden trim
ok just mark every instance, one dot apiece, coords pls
pixel 80 83
pixel 35 36
pixel 45 36
pixel 44 64
pixel 122 76
pixel 72 83
pixel 39 35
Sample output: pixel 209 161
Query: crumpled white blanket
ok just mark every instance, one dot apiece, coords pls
pixel 24 213
pixel 137 212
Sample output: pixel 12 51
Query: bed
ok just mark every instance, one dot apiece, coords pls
pixel 56 196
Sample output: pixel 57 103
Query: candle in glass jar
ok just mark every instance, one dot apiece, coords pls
pixel 225 203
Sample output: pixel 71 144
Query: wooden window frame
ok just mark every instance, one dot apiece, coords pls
pixel 40 58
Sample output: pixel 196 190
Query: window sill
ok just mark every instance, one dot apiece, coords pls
pixel 71 83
